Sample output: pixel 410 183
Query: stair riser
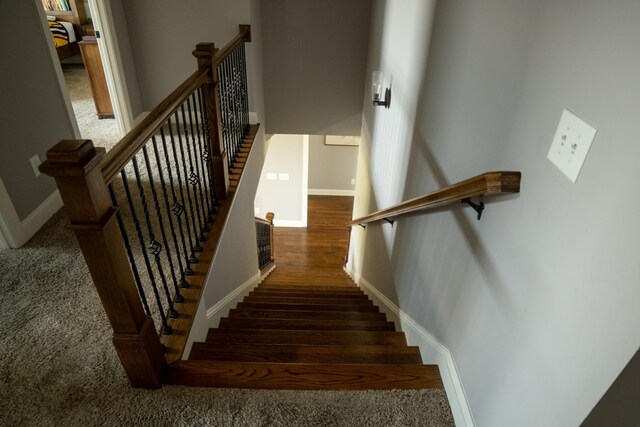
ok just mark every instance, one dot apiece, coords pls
pixel 243 336
pixel 306 315
pixel 321 301
pixel 262 293
pixel 308 307
pixel 308 325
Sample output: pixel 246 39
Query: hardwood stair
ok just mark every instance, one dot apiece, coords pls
pixel 305 337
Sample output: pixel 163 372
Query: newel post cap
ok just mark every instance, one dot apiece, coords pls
pixel 72 157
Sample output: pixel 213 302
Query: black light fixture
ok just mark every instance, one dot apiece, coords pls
pixel 376 90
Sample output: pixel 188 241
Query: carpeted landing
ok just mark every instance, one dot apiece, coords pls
pixel 58 366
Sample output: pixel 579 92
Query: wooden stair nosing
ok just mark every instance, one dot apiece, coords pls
pixel 307 307
pixel 348 354
pixel 281 294
pixel 310 290
pixel 306 325
pixel 303 376
pixel 292 314
pixel 305 337
pixel 313 287
pixel 313 300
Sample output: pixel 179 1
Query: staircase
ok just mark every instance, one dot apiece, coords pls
pixel 305 337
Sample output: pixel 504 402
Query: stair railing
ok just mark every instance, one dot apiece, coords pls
pixel 487 184
pixel 264 240
pixel 148 214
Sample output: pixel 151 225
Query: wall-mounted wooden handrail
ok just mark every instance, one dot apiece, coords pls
pixel 489 183
pixel 133 141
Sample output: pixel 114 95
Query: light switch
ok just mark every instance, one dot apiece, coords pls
pixel 571 144
pixel 272 176
pixel 283 176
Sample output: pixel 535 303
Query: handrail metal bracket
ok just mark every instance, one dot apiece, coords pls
pixel 390 221
pixel 478 207
pixel 362 225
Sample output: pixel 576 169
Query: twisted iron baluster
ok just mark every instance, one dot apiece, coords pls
pixel 127 245
pixel 245 91
pixel 178 297
pixel 166 329
pixel 178 210
pixel 193 178
pixel 199 171
pixel 191 224
pixel 154 246
pixel 207 149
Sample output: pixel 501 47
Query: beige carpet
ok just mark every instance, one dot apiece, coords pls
pixel 103 132
pixel 58 366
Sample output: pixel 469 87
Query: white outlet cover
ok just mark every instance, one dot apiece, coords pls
pixel 272 176
pixel 571 144
pixel 283 176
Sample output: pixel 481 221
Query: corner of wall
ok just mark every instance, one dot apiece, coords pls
pixel 431 349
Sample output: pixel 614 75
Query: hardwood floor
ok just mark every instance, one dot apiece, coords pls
pixel 315 255
pixel 307 326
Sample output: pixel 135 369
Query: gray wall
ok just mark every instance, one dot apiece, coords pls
pixel 331 167
pixel 32 108
pixel 314 65
pixel 538 301
pixel 164 33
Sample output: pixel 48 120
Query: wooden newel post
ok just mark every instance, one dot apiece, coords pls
pixel 205 53
pixel 75 165
pixel 269 217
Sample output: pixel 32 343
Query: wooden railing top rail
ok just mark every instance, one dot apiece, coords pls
pixel 489 183
pixel 133 141
pixel 263 221
pixel 244 35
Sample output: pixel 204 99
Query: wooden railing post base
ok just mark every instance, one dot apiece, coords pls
pixel 144 368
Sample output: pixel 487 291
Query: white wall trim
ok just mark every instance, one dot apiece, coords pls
pixel 222 307
pixel 330 192
pixel 305 177
pixel 16 232
pixel 288 223
pixel 112 64
pixel 431 349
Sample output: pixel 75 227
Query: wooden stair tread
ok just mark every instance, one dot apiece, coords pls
pixel 305 354
pixel 282 294
pixel 310 291
pixel 307 324
pixel 309 307
pixel 310 287
pixel 303 376
pixel 311 300
pixel 296 314
pixel 305 337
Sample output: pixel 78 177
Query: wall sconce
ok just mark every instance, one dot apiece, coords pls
pixel 376 90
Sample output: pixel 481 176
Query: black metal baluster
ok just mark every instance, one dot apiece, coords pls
pixel 206 179
pixel 193 177
pixel 166 329
pixel 230 112
pixel 191 224
pixel 178 210
pixel 127 245
pixel 237 87
pixel 224 92
pixel 207 147
pixel 234 89
pixel 199 171
pixel 154 246
pixel 169 211
pixel 245 90
pixel 156 203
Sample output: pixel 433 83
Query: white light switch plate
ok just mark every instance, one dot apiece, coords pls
pixel 272 176
pixel 283 176
pixel 571 144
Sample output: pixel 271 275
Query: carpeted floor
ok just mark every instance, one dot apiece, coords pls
pixel 103 132
pixel 58 366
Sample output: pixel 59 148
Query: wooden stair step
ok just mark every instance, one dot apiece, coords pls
pixel 293 314
pixel 312 300
pixel 279 337
pixel 300 294
pixel 307 307
pixel 312 287
pixel 305 324
pixel 305 353
pixel 315 291
pixel 303 376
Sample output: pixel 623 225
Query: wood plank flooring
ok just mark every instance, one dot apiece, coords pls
pixel 307 326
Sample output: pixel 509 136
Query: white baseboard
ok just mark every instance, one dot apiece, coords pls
pixel 288 223
pixel 222 307
pixel 431 349
pixel 330 192
pixel 16 232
